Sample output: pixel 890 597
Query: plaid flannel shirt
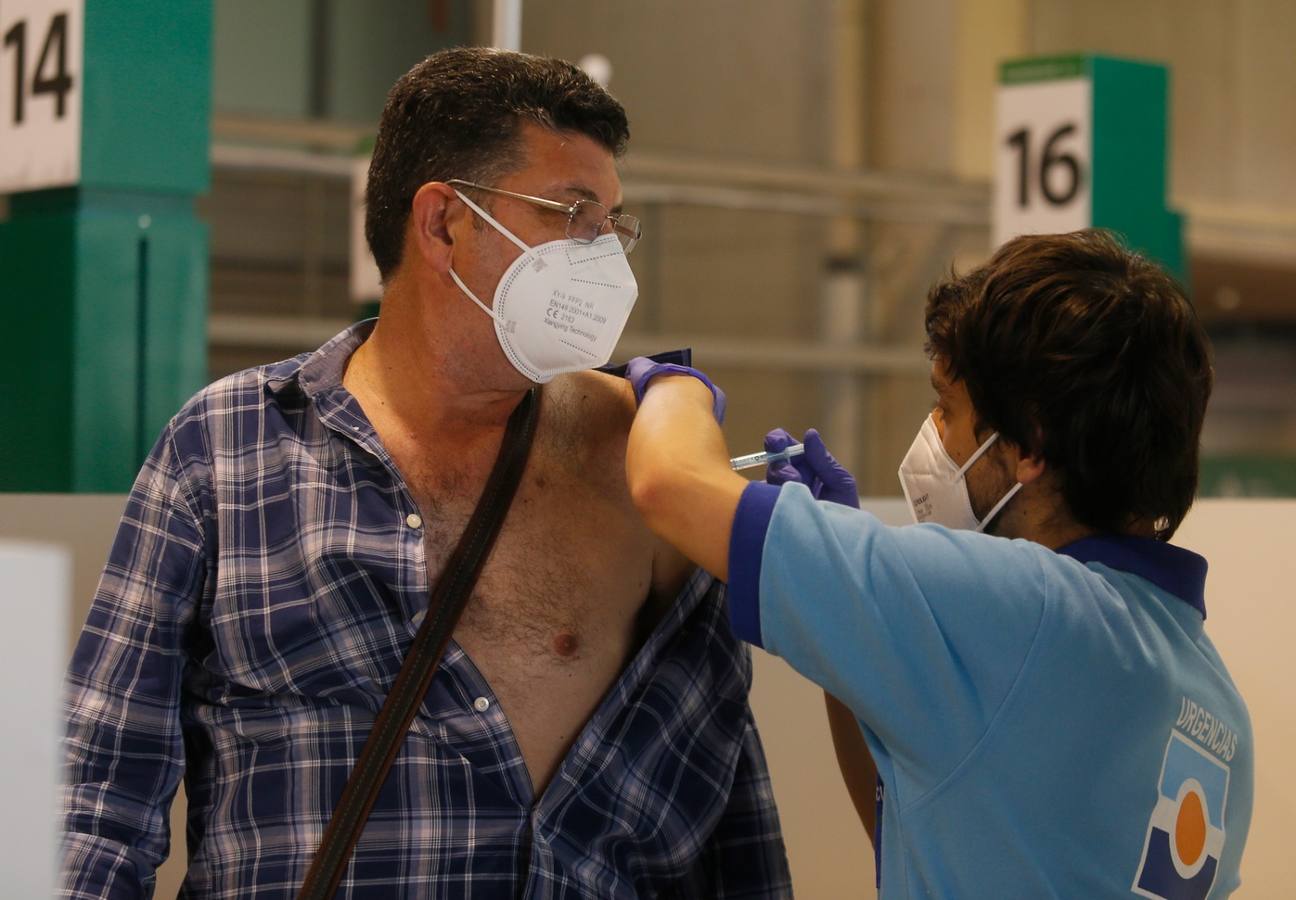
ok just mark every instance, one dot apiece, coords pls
pixel 263 585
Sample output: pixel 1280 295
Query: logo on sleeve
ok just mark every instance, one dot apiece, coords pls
pixel 1185 834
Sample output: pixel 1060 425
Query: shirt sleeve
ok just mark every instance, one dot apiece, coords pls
pixel 746 856
pixel 123 752
pixel 920 630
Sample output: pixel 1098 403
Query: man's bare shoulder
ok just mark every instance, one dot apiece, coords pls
pixel 612 392
pixel 593 410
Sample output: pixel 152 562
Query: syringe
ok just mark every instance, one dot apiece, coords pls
pixel 752 460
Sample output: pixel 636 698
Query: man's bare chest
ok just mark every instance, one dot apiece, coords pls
pixel 555 614
pixel 552 619
pixel 569 559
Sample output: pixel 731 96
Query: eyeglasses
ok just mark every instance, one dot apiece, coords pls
pixel 585 218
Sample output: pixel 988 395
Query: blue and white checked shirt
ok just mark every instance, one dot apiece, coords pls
pixel 253 613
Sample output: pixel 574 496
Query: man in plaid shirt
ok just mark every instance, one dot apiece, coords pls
pixel 588 734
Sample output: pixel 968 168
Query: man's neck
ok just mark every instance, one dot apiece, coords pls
pixel 423 365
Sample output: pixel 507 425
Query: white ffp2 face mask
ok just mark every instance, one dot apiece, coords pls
pixel 561 306
pixel 935 485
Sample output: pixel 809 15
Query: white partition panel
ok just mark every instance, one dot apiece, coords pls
pixel 1251 617
pixel 35 582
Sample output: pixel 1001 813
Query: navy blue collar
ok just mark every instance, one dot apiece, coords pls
pixel 1173 569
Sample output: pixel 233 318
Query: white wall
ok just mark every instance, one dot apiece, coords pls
pixel 1251 616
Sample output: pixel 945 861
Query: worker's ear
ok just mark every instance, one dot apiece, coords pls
pixel 1029 468
pixel 434 216
pixel 1029 463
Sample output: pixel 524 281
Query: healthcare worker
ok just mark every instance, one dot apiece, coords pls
pixel 1028 665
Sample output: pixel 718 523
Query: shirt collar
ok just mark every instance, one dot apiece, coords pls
pixel 1173 569
pixel 323 368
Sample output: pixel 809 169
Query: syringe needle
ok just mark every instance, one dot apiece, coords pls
pixel 752 460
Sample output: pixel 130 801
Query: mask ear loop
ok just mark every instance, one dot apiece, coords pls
pixel 496 225
pixel 471 296
pixel 994 510
pixel 980 452
pixel 502 230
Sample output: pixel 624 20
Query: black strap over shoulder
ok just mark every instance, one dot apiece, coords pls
pixel 445 605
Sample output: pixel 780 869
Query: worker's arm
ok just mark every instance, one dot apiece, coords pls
pixel 855 761
pixel 677 466
pixel 920 631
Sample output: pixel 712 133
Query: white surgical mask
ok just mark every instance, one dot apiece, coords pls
pixel 935 485
pixel 561 306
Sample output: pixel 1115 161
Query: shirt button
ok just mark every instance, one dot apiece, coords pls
pixel 481 704
pixel 414 520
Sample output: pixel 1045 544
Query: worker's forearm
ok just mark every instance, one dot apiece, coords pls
pixel 677 467
pixel 676 429
pixel 856 763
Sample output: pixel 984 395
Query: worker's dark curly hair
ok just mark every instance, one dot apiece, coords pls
pixel 1090 355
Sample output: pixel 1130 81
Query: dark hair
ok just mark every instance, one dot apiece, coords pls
pixel 457 113
pixel 1091 356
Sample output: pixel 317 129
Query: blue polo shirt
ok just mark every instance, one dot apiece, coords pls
pixel 1047 724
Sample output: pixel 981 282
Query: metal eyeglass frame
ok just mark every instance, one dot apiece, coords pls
pixel 627 228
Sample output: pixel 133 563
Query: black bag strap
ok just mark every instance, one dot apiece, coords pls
pixel 445 605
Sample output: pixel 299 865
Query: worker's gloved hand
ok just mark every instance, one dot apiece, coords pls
pixel 795 469
pixel 641 370
pixel 816 468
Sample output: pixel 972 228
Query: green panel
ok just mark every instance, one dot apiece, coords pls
pixel 1129 134
pixel 105 411
pixel 113 336
pixel 262 57
pixel 1043 68
pixel 1167 247
pixel 1130 158
pixel 147 100
pixel 140 332
pixel 334 60
pixel 372 44
pixel 175 321
pixel 110 278
pixel 1248 476
pixel 36 368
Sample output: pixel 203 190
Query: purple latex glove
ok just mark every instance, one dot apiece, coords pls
pixel 794 469
pixel 641 370
pixel 816 468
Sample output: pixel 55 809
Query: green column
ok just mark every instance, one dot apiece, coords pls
pixel 1131 156
pixel 106 280
pixel 1082 140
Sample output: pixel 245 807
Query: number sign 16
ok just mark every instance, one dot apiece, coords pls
pixel 1042 158
pixel 40 93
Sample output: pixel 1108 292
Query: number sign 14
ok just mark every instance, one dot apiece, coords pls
pixel 40 93
pixel 1043 158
